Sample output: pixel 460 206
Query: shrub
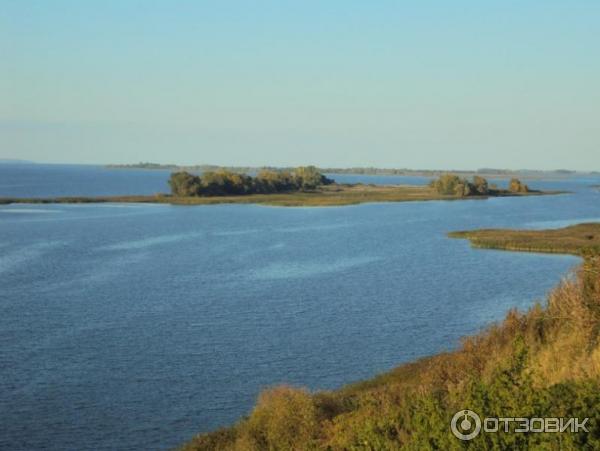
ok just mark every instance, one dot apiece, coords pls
pixel 284 418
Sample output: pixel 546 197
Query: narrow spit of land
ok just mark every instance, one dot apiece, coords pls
pixel 577 239
pixel 329 195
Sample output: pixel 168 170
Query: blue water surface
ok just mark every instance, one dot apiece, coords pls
pixel 136 326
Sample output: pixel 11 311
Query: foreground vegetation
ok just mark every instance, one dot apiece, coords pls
pixel 541 363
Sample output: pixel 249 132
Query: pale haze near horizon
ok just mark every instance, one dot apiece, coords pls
pixel 460 84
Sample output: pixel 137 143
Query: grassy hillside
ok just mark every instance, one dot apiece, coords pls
pixel 540 363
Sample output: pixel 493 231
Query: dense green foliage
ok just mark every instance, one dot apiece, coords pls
pixel 542 363
pixel 184 184
pixel 453 185
pixel 224 183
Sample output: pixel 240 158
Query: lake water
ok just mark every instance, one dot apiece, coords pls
pixel 135 326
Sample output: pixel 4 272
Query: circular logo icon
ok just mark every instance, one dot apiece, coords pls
pixel 465 424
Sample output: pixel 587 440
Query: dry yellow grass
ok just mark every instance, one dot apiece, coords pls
pixel 569 240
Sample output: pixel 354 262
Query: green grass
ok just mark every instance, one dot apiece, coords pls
pixel 331 195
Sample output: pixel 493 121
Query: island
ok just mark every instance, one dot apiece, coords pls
pixel 302 186
pixel 541 363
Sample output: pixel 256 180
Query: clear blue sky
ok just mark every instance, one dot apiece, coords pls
pixel 422 84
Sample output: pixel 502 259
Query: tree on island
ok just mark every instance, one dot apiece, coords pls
pixel 224 183
pixel 309 177
pixel 516 186
pixel 271 181
pixel 453 185
pixel 221 183
pixel 480 185
pixel 184 184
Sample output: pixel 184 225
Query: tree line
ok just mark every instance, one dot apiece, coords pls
pixel 452 184
pixel 267 181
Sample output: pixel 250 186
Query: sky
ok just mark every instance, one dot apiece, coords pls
pixel 428 84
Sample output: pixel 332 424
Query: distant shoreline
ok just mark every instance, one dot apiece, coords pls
pixel 485 172
pixel 326 196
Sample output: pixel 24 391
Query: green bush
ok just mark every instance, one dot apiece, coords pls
pixel 184 184
pixel 224 183
pixel 453 185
